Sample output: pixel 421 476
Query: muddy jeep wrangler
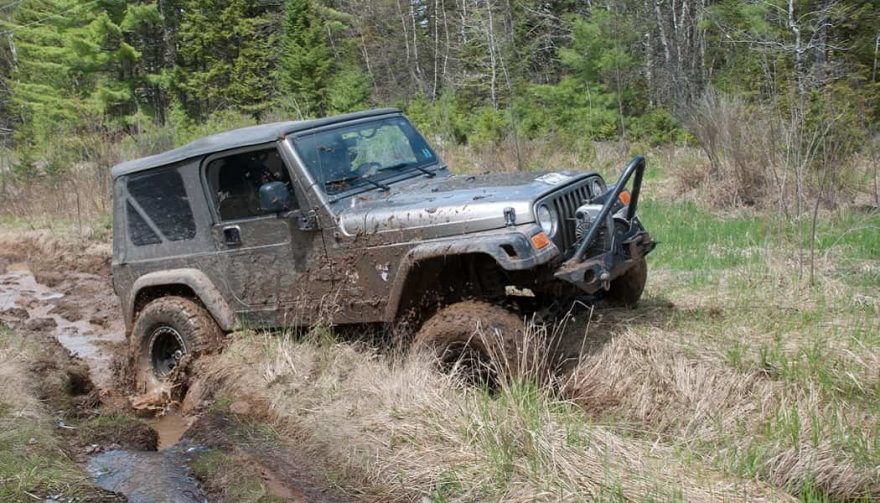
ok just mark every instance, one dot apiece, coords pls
pixel 355 220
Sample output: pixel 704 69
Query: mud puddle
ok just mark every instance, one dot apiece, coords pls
pixel 44 309
pixel 146 477
pixel 80 312
pixel 170 428
pixel 149 476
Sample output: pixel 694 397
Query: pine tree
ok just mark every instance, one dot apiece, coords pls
pixel 225 55
pixel 143 29
pixel 43 83
pixel 305 63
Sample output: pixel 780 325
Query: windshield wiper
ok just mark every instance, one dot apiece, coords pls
pixel 402 165
pixel 348 179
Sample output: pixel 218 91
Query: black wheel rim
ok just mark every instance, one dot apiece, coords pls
pixel 166 350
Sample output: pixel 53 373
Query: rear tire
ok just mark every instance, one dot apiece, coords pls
pixel 166 331
pixel 475 339
pixel 626 290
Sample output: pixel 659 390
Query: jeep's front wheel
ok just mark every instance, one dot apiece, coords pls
pixel 477 340
pixel 167 331
pixel 626 290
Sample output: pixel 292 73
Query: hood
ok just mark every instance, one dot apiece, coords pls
pixel 446 205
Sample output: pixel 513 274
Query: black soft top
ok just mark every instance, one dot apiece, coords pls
pixel 237 138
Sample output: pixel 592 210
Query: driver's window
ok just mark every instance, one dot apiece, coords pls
pixel 235 182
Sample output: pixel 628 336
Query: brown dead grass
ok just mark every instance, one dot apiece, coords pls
pixel 33 461
pixel 56 251
pixel 395 429
pixel 690 396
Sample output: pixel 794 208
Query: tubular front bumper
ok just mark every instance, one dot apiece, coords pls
pixel 592 270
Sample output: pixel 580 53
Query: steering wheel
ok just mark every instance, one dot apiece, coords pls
pixel 366 135
pixel 368 168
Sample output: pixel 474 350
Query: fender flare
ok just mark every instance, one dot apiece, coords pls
pixel 525 257
pixel 195 280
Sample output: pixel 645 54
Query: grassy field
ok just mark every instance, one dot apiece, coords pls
pixel 739 377
pixel 751 370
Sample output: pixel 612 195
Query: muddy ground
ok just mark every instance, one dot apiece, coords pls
pixel 133 447
pixel 61 296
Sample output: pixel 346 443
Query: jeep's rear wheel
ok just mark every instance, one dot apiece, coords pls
pixel 476 340
pixel 168 331
pixel 626 290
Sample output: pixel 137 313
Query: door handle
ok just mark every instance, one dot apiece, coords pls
pixel 232 236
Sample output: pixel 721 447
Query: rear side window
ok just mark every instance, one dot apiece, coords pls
pixel 139 230
pixel 162 198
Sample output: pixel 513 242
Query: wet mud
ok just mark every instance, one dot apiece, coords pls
pixel 147 477
pixel 77 311
pixel 137 455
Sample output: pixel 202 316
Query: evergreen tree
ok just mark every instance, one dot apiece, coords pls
pixel 45 91
pixel 143 28
pixel 305 62
pixel 225 55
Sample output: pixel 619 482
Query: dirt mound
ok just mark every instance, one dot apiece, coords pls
pixel 243 451
pixel 51 254
pixel 118 431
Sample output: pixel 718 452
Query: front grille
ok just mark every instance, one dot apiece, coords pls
pixel 566 202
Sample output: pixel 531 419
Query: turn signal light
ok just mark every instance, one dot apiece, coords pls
pixel 540 240
pixel 625 197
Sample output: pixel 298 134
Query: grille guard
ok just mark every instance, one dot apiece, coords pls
pixel 592 274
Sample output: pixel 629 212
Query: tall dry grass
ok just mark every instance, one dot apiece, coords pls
pixel 781 156
pixel 394 428
pixel 692 398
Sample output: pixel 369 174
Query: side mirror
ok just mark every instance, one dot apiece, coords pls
pixel 274 197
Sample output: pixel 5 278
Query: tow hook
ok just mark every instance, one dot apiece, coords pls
pixel 605 278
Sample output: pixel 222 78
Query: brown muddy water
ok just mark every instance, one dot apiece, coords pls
pixel 142 477
pixel 146 477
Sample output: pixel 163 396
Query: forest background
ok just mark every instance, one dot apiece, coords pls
pixel 779 97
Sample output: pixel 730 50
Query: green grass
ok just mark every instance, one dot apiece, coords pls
pixel 233 477
pixel 741 294
pixel 33 463
pixel 696 239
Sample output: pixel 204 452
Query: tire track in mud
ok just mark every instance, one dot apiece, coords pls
pixel 78 309
pixel 75 311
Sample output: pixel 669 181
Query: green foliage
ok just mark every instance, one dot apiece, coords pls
pixel 599 52
pixel 226 53
pixel 490 127
pixel 446 118
pixel 554 71
pixel 348 91
pixel 305 62
pixel 657 127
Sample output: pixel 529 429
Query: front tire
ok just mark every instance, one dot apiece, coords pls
pixel 168 331
pixel 626 290
pixel 476 339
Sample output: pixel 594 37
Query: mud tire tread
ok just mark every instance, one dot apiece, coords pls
pixel 457 324
pixel 196 326
pixel 626 290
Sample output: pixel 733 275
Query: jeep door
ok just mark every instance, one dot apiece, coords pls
pixel 264 255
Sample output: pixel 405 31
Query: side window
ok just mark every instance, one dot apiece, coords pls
pixel 139 231
pixel 162 198
pixel 235 181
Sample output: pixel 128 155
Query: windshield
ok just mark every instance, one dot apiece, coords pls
pixel 363 155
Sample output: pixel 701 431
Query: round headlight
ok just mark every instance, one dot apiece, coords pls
pixel 597 188
pixel 547 219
